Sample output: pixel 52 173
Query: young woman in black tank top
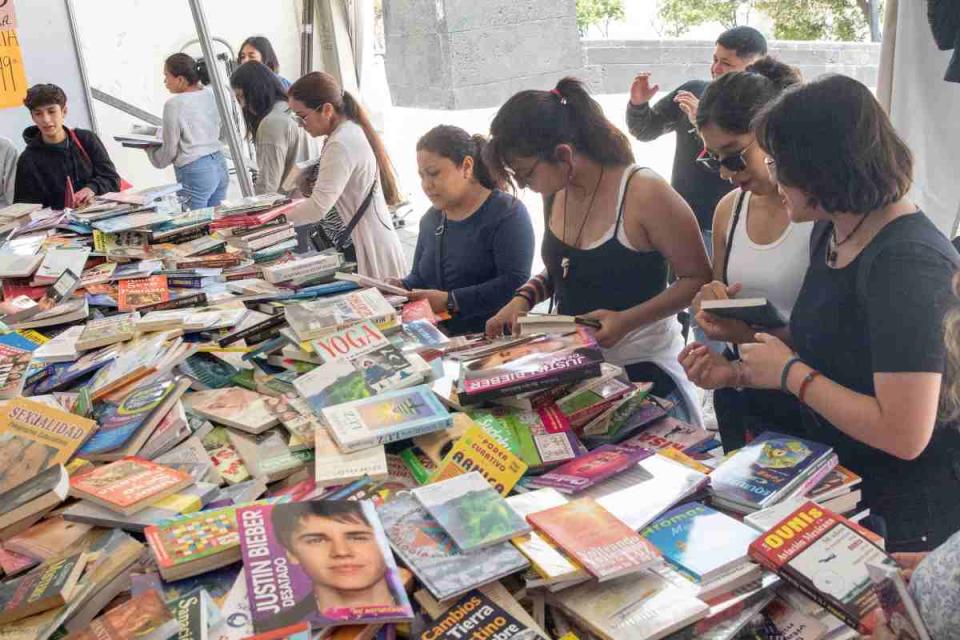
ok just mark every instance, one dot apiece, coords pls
pixel 559 144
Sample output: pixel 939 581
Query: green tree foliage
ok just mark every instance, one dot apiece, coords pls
pixel 598 13
pixel 792 19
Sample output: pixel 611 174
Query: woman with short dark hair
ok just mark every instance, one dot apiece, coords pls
pixel 866 355
pixel 280 143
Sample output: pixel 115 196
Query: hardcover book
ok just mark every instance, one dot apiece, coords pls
pixel 587 470
pixel 129 485
pixel 235 407
pixel 281 556
pixel 35 437
pixel 701 543
pixel 471 511
pixel 140 292
pixel 385 418
pixel 826 556
pixel 476 450
pixel 766 471
pixel 591 535
pixel 434 558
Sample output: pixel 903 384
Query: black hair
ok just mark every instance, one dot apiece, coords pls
pixel 318 88
pixel 261 90
pixel 532 123
pixel 455 144
pixel 286 518
pixel 734 99
pixel 268 55
pixel 745 41
pixel 832 139
pixel 42 95
pixel 181 65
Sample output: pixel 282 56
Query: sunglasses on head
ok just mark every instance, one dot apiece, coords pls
pixel 735 162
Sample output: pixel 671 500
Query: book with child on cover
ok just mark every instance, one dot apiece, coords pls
pixel 291 578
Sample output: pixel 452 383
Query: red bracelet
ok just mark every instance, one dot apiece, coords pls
pixel 807 379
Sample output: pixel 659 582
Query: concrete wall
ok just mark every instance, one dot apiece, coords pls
pixel 459 54
pixel 610 65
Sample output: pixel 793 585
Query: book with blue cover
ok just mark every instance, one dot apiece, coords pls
pixel 766 471
pixel 701 543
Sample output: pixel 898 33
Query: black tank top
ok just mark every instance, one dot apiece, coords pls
pixel 610 276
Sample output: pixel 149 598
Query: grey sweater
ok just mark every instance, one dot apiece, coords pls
pixel 280 144
pixel 8 171
pixel 191 129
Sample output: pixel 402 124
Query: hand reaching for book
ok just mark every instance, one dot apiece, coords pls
pixel 706 368
pixel 612 326
pixel 505 321
pixel 437 299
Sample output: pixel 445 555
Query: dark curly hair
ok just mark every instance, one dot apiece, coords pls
pixel 42 95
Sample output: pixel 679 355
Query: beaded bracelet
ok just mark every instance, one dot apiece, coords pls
pixel 807 379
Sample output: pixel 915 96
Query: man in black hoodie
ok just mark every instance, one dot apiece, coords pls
pixel 59 161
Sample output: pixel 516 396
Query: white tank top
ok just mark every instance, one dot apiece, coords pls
pixel 773 271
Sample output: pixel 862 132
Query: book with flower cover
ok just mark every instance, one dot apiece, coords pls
pixel 279 547
pixel 826 557
pixel 141 292
pixel 434 558
pixel 587 470
pixel 591 535
pixel 385 418
pixel 535 364
pixel 128 485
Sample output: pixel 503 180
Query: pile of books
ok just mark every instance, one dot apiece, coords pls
pixel 206 435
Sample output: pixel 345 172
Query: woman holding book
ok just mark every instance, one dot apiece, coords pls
pixel 191 134
pixel 865 353
pixel 612 231
pixel 475 245
pixel 757 250
pixel 280 144
pixel 354 183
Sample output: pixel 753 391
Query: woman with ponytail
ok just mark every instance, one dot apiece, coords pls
pixel 192 131
pixel 475 245
pixel 355 180
pixel 612 232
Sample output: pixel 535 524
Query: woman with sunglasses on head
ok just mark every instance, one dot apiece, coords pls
pixel 612 230
pixel 866 355
pixel 280 144
pixel 757 250
pixel 475 244
pixel 354 182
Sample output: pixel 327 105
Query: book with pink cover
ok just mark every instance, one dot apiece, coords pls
pixel 587 470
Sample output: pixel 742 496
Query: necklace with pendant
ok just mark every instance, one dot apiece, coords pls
pixel 565 261
pixel 833 247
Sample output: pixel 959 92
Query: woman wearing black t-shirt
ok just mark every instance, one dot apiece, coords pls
pixel 866 354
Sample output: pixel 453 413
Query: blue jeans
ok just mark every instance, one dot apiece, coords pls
pixel 698 334
pixel 204 181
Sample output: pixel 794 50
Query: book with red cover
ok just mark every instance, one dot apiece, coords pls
pixel 825 556
pixel 587 470
pixel 528 366
pixel 129 485
pixel 668 432
pixel 604 545
pixel 418 310
pixel 140 292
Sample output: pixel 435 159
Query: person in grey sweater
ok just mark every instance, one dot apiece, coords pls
pixel 280 142
pixel 192 130
pixel 8 171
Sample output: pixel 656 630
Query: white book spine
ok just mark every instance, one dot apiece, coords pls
pixel 268 240
pixel 299 268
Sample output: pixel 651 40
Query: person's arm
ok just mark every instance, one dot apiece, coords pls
pixel 333 173
pixel 647 122
pixel 164 155
pixel 105 178
pixel 656 212
pixel 513 254
pixel 908 293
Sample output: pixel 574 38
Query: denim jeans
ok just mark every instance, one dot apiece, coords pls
pixel 204 181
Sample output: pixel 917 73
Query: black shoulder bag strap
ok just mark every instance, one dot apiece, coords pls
pixel 738 206
pixel 348 230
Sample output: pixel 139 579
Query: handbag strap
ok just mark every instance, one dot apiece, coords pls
pixel 738 207
pixel 76 141
pixel 348 230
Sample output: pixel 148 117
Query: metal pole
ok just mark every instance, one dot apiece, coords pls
pixel 84 78
pixel 223 104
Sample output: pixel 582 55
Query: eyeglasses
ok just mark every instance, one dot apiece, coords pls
pixel 523 180
pixel 302 120
pixel 735 162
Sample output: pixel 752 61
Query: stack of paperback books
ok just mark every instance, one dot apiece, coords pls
pixel 206 435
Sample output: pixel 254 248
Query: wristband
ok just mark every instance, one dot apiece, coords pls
pixel 807 379
pixel 525 296
pixel 786 372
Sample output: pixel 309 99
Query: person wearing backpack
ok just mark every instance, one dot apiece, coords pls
pixel 60 167
pixel 865 355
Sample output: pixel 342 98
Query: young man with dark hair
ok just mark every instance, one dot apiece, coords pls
pixel 61 167
pixel 735 49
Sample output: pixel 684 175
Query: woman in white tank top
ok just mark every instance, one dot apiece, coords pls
pixel 758 252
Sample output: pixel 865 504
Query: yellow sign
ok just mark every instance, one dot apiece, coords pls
pixel 13 79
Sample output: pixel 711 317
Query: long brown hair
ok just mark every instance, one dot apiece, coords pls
pixel 318 88
pixel 950 386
